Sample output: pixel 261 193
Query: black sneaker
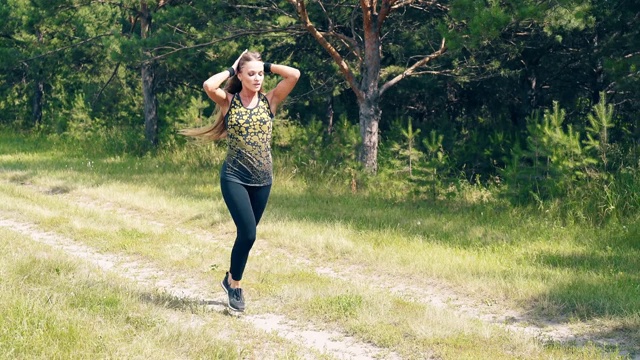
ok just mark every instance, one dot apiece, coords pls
pixel 225 283
pixel 236 299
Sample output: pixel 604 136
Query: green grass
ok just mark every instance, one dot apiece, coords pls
pixel 55 307
pixel 484 249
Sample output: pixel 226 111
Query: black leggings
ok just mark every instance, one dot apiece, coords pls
pixel 246 205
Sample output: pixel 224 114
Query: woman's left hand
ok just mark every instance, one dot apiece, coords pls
pixel 235 64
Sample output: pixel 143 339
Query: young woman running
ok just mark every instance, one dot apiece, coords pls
pixel 245 116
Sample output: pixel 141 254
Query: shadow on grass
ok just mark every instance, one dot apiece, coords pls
pixel 604 275
pixel 613 304
pixel 603 282
pixel 451 220
pixel 152 173
pixel 173 302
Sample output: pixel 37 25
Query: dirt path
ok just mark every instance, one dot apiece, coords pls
pixel 438 295
pixel 335 344
pixel 425 291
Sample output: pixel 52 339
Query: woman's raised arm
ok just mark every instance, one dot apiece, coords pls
pixel 281 91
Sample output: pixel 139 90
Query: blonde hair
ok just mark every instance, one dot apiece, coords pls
pixel 217 130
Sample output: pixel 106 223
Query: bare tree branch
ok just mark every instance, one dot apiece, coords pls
pixel 367 15
pixel 67 47
pixel 337 58
pixel 236 35
pixel 274 7
pixel 387 5
pixel 329 20
pixel 402 3
pixel 434 72
pixel 350 43
pixel 415 3
pixel 115 71
pixel 412 70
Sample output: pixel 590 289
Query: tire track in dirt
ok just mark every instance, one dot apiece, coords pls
pixel 429 292
pixel 335 344
pixel 438 295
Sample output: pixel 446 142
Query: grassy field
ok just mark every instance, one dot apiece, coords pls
pixel 352 263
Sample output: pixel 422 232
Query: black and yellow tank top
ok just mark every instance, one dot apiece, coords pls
pixel 248 160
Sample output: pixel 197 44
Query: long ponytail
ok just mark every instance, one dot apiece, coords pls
pixel 213 132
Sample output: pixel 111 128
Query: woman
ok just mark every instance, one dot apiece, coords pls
pixel 245 119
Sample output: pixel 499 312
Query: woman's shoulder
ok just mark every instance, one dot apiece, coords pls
pixel 232 99
pixel 264 98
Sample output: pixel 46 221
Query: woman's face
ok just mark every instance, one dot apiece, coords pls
pixel 251 75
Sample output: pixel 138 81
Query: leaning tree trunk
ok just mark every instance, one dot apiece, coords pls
pixel 148 81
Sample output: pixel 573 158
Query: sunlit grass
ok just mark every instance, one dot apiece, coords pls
pixel 413 330
pixel 54 307
pixel 168 210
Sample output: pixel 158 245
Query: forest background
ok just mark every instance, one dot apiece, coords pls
pixel 534 102
pixel 486 151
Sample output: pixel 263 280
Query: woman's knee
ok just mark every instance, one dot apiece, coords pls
pixel 247 236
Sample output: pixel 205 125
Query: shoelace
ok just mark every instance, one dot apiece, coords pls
pixel 237 294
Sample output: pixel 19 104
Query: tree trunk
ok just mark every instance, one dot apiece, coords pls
pixel 150 104
pixel 598 85
pixel 369 103
pixel 37 102
pixel 330 114
pixel 38 90
pixel 148 81
pixel 370 115
pixel 368 91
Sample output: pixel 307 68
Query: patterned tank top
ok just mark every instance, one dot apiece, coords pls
pixel 248 160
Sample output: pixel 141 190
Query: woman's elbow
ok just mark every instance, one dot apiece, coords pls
pixel 206 86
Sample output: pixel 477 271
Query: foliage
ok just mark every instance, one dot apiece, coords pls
pixel 598 139
pixel 518 98
pixel 407 153
pixel 417 165
pixel 569 172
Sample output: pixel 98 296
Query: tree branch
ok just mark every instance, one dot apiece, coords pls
pixel 434 72
pixel 627 56
pixel 66 47
pixel 161 4
pixel 412 70
pixel 350 43
pixel 414 3
pixel 387 5
pixel 403 3
pixel 337 58
pixel 367 15
pixel 236 35
pixel 115 71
